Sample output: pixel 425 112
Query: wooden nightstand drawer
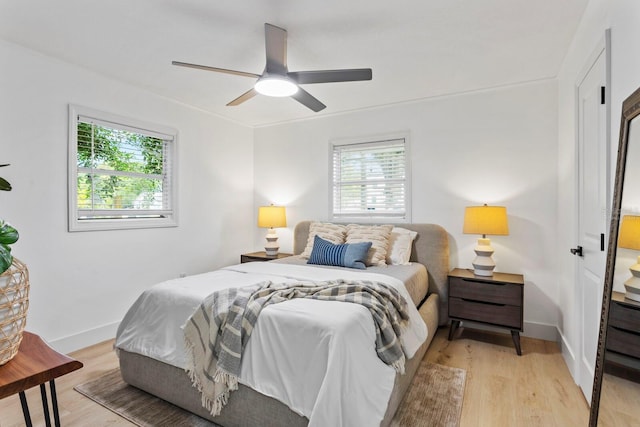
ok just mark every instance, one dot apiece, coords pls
pixel 623 342
pixel 624 317
pixel 499 293
pixel 497 314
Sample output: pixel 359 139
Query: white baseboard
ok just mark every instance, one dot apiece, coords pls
pixel 85 339
pixel 569 357
pixel 541 331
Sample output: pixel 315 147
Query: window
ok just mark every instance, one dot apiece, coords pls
pixel 121 172
pixel 370 180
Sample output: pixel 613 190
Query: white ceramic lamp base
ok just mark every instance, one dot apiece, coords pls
pixel 483 264
pixel 632 285
pixel 272 247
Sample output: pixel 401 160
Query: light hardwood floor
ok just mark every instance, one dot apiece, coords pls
pixel 619 403
pixel 502 389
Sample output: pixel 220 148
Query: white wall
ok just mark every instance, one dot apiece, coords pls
pixel 82 283
pixel 622 17
pixel 496 146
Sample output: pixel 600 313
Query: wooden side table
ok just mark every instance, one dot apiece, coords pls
pixel 35 364
pixel 261 256
pixel 496 300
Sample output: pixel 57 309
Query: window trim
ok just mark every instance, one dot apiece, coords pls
pixel 151 129
pixel 407 160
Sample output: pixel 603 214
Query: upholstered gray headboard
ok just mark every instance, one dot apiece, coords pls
pixel 430 248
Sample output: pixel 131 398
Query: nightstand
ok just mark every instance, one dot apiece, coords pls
pixel 623 348
pixel 496 300
pixel 261 256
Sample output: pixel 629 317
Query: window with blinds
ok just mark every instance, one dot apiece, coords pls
pixel 370 180
pixel 121 172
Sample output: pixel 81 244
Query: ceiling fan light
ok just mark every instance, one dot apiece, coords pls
pixel 276 86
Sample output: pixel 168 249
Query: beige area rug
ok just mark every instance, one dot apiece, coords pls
pixel 434 399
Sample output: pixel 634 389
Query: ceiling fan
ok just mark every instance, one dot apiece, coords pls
pixel 277 80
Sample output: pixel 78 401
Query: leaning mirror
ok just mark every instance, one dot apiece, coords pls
pixel 616 387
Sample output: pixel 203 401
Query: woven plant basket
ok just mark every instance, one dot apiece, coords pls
pixel 14 302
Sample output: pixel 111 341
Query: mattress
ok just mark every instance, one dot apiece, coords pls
pixel 247 407
pixel 350 384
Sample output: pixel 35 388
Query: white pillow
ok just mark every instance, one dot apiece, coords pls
pixel 334 233
pixel 378 235
pixel 400 244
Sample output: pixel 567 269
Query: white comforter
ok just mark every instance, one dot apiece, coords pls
pixel 317 357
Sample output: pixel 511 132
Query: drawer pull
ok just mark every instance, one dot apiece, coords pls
pixel 482 302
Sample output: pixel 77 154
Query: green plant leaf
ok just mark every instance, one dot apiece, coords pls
pixel 5 258
pixel 4 185
pixel 8 234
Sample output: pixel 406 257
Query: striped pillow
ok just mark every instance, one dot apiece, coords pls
pixel 343 255
pixel 334 233
pixel 378 235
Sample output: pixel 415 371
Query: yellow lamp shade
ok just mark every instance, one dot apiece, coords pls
pixel 486 220
pixel 272 216
pixel 629 237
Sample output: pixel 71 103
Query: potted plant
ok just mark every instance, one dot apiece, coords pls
pixel 8 234
pixel 14 290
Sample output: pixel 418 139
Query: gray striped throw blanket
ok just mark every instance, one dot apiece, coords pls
pixel 217 332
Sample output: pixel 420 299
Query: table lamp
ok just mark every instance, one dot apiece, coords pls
pixel 629 238
pixel 485 220
pixel 271 217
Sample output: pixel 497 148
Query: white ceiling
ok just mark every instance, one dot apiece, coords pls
pixel 416 48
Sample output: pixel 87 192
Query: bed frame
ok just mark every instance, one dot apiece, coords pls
pixel 247 407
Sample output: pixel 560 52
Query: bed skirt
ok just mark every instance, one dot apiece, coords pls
pixel 247 407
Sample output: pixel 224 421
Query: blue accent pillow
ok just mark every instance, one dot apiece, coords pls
pixel 352 255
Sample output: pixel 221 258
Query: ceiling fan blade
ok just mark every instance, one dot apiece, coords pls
pixel 331 76
pixel 308 100
pixel 219 70
pixel 276 49
pixel 245 96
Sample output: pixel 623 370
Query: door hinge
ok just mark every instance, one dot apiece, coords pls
pixel 602 242
pixel 602 95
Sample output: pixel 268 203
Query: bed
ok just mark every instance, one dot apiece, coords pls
pixel 161 375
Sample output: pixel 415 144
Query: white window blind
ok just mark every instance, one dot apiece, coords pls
pixel 370 180
pixel 123 175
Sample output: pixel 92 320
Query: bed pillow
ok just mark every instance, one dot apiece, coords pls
pixel 342 255
pixel 378 235
pixel 400 243
pixel 334 233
